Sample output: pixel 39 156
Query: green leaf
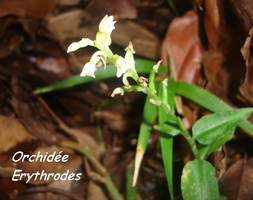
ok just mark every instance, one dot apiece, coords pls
pixel 206 99
pixel 149 116
pixel 198 181
pixel 211 127
pixel 131 192
pixel 142 66
pixel 166 140
pixel 206 150
pixel 167 129
pixel 167 155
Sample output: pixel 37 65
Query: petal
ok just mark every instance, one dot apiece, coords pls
pixel 120 62
pixel 89 70
pixel 98 56
pixel 117 91
pixel 120 71
pixel 129 56
pixel 130 48
pixel 84 42
pixel 107 24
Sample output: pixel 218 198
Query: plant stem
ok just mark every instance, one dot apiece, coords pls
pixel 114 193
pixel 192 143
pixel 189 139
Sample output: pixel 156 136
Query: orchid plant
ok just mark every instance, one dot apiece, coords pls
pixel 207 135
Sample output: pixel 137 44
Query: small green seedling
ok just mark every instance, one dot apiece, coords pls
pixel 207 135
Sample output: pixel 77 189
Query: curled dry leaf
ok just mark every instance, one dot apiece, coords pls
pixel 12 132
pixel 182 47
pixel 237 181
pixel 246 88
pixel 243 10
pixel 35 119
pixel 226 25
pixel 26 8
pixel 222 60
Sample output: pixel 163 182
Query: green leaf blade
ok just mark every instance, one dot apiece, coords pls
pixel 198 181
pixel 149 116
pixel 167 129
pixel 211 127
pixel 166 140
pixel 207 100
pixel 206 150
pixel 142 66
pixel 131 192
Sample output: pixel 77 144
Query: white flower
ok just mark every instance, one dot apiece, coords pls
pixel 103 40
pixel 117 91
pixel 127 63
pixel 84 42
pixel 107 24
pixel 89 69
pixel 97 57
pixel 129 57
pixel 121 65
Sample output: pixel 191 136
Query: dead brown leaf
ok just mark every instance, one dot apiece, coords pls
pixel 120 9
pixel 25 8
pixel 12 132
pixel 182 47
pixel 95 192
pixel 246 88
pixel 225 33
pixel 236 184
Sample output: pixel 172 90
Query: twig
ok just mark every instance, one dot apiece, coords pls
pixel 111 188
pixel 92 175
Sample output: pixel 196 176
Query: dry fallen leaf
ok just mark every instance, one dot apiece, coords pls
pixel 12 132
pixel 226 25
pixel 120 9
pixel 182 47
pixel 25 8
pixel 246 88
pixel 95 192
pixel 236 184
